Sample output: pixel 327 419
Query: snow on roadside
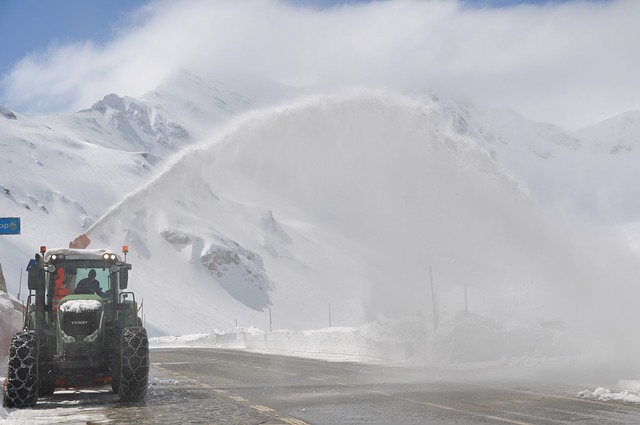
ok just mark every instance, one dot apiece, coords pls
pixel 11 322
pixel 628 393
pixel 454 345
pixel 332 344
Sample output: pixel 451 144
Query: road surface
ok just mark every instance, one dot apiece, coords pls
pixel 190 385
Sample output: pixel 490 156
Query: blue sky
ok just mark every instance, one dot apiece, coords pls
pixel 32 25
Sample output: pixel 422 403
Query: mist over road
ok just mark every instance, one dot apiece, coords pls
pixel 233 387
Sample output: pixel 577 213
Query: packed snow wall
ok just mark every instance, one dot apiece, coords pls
pixel 10 321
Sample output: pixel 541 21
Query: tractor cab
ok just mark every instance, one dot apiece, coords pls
pixel 59 276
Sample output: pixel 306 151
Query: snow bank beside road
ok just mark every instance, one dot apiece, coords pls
pixel 335 344
pixel 11 321
pixel 629 392
pixel 454 345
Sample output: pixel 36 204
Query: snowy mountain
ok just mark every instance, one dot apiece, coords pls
pixel 239 213
pixel 611 171
pixel 60 172
pixel 616 136
pixel 590 172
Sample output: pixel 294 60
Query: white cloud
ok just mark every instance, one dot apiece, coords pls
pixel 571 63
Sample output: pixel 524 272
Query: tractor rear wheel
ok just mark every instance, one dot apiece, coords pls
pixel 22 371
pixel 133 370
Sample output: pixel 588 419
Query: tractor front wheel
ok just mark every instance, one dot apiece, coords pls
pixel 22 371
pixel 133 370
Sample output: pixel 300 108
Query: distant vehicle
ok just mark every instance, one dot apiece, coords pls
pixel 80 338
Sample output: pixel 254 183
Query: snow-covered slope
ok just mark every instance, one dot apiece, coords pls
pixel 616 136
pixel 579 171
pixel 611 171
pixel 60 172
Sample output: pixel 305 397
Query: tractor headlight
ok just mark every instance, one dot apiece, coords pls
pixel 109 256
pixel 57 257
pixel 67 338
pixel 93 336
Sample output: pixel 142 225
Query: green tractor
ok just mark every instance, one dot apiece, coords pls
pixel 81 329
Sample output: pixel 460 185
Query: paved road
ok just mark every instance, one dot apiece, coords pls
pixel 232 387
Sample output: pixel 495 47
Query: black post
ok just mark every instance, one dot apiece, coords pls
pixel 433 300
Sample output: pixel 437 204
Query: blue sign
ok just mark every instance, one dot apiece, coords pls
pixel 9 225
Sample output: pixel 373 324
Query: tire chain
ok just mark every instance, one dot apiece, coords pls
pixel 134 367
pixel 22 380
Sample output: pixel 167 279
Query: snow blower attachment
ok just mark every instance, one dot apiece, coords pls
pixel 81 329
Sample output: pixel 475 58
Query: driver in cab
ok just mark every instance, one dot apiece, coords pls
pixel 89 285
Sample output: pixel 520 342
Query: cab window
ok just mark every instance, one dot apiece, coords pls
pixel 102 276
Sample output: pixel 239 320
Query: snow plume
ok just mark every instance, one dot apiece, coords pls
pixel 344 204
pixel 538 59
